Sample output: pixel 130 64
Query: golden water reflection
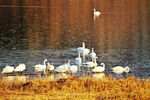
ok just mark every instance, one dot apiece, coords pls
pixel 60 24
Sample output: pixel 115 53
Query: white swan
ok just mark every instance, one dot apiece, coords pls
pixel 72 68
pixel 99 68
pixel 40 67
pixel 50 67
pixel 119 69
pixel 8 69
pixel 84 51
pixel 78 60
pixel 96 13
pixel 62 68
pixel 20 68
pixel 93 54
pixel 91 64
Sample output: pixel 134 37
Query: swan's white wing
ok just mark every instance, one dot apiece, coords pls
pixel 73 68
pixel 39 67
pixel 8 69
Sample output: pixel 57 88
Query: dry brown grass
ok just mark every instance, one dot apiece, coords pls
pixel 76 89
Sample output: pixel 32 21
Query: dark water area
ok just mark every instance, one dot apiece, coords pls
pixel 31 31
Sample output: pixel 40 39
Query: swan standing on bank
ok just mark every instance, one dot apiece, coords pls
pixel 40 67
pixel 62 68
pixel 20 68
pixel 8 69
pixel 119 69
pixel 78 61
pixel 99 69
pixel 92 54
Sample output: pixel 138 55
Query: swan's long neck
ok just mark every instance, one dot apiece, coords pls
pixel 95 62
pixel 83 46
pixel 92 54
pixel 69 63
pixel 92 50
pixel 126 69
pixel 79 55
pixel 103 65
pixel 44 66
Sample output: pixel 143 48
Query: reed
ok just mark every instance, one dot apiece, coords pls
pixel 77 88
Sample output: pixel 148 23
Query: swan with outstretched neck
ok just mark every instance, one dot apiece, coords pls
pixel 78 60
pixel 92 54
pixel 84 51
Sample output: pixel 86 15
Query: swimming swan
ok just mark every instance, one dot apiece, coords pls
pixel 50 67
pixel 90 64
pixel 72 68
pixel 8 69
pixel 20 68
pixel 99 68
pixel 40 67
pixel 62 68
pixel 119 69
pixel 96 14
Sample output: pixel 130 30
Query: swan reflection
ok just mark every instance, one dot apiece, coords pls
pixel 61 75
pixel 50 77
pixel 98 75
pixel 14 78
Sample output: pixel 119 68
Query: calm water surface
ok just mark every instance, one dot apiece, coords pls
pixel 31 31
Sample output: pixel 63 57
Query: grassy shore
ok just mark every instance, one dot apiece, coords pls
pixel 76 89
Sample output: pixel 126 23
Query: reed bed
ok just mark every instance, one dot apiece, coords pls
pixel 75 88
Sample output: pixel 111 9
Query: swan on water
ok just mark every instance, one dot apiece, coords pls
pixel 62 68
pixel 84 51
pixel 41 67
pixel 92 54
pixel 50 67
pixel 99 68
pixel 96 13
pixel 72 68
pixel 8 69
pixel 90 64
pixel 78 60
pixel 20 68
pixel 119 69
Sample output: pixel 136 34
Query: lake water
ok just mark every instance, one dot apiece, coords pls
pixel 31 31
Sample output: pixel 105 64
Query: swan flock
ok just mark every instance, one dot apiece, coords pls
pixel 80 63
